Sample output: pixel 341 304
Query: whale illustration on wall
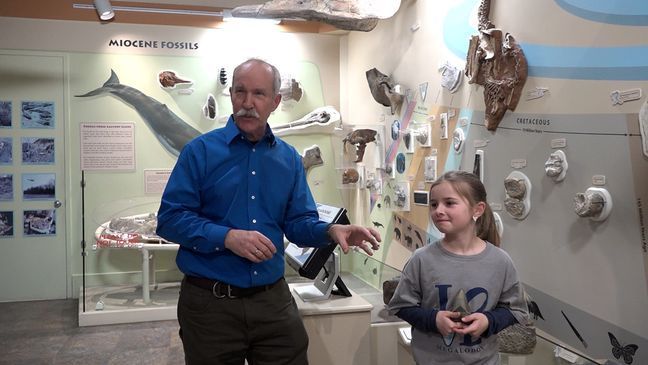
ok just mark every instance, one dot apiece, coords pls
pixel 172 132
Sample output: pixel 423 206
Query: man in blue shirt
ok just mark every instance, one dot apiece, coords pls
pixel 232 196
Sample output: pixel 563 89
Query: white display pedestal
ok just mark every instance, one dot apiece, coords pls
pixel 338 329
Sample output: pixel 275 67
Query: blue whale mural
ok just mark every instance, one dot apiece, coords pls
pixel 172 132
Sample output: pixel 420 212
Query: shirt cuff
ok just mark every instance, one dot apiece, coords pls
pixel 216 238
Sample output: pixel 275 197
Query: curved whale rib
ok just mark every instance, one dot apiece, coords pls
pixel 172 132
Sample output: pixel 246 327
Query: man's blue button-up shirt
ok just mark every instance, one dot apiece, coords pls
pixel 222 181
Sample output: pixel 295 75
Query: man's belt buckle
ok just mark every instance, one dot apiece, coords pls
pixel 216 290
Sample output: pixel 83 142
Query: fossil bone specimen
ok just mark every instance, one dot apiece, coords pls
pixel 643 126
pixel 595 203
pixel 620 97
pixel 169 79
pixel 556 166
pixel 210 109
pixel 362 15
pixel 312 157
pixel 290 90
pixel 450 77
pixel 320 120
pixel 350 176
pixel 459 303
pixel 359 138
pixel 222 76
pixel 515 188
pixel 383 90
pixel 495 61
pixel 518 195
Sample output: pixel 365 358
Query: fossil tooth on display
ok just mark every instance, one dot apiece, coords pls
pixel 350 176
pixel 290 90
pixel 362 15
pixel 514 207
pixel 383 90
pixel 210 109
pixel 320 120
pixel 222 76
pixel 515 188
pixel 556 166
pixel 359 138
pixel 169 79
pixel 312 157
pixel 495 61
pixel 518 195
pixel 595 203
pixel 407 139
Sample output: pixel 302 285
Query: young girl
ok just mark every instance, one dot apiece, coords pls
pixel 461 290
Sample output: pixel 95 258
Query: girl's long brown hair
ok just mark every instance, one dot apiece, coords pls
pixel 471 188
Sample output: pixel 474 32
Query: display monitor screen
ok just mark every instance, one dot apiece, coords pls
pixel 308 261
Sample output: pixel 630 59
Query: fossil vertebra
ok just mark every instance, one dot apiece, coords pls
pixel 556 165
pixel 383 90
pixel 312 157
pixel 588 204
pixel 514 207
pixel 515 188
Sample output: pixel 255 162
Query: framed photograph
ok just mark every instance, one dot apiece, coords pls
pixel 39 186
pixel 6 224
pixel 6 154
pixel 6 187
pixel 39 222
pixel 5 114
pixel 37 150
pixel 37 114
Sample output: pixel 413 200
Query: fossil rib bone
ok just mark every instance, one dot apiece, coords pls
pixel 362 15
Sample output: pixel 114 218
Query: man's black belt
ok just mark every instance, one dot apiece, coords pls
pixel 224 290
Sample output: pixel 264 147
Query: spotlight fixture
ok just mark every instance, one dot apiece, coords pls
pixel 104 9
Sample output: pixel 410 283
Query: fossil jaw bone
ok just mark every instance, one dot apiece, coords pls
pixel 359 138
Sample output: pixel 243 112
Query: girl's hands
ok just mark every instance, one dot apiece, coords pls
pixel 473 324
pixel 447 322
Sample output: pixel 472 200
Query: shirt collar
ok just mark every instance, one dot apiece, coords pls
pixel 232 131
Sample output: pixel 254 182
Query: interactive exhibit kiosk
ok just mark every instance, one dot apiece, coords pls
pixel 321 264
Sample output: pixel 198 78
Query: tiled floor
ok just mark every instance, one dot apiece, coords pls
pixel 47 332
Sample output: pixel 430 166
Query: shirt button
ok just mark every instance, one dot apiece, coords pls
pixel 253 220
pixel 255 273
pixel 253 197
pixel 195 248
pixel 253 172
pixel 254 150
pixel 217 248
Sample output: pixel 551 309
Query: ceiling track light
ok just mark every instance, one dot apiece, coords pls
pixel 104 9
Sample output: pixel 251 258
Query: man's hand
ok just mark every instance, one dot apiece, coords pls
pixel 252 245
pixel 352 235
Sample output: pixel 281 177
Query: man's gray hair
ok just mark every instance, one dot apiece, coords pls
pixel 276 83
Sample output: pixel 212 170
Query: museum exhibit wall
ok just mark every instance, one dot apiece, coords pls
pixel 588 277
pixel 84 63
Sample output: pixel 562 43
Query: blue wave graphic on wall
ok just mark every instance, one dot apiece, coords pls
pixel 562 62
pixel 620 12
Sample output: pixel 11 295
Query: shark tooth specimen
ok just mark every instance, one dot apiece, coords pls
pixel 312 157
pixel 383 90
pixel 210 109
pixel 495 61
pixel 459 303
pixel 169 79
pixel 359 138
pixel 361 15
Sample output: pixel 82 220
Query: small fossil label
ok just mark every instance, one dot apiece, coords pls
pixel 495 206
pixel 598 180
pixel 518 163
pixel 559 143
pixel 479 143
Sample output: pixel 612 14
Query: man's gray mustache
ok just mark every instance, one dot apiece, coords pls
pixel 247 113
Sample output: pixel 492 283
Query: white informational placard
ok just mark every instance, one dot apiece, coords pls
pixel 107 146
pixel 155 180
